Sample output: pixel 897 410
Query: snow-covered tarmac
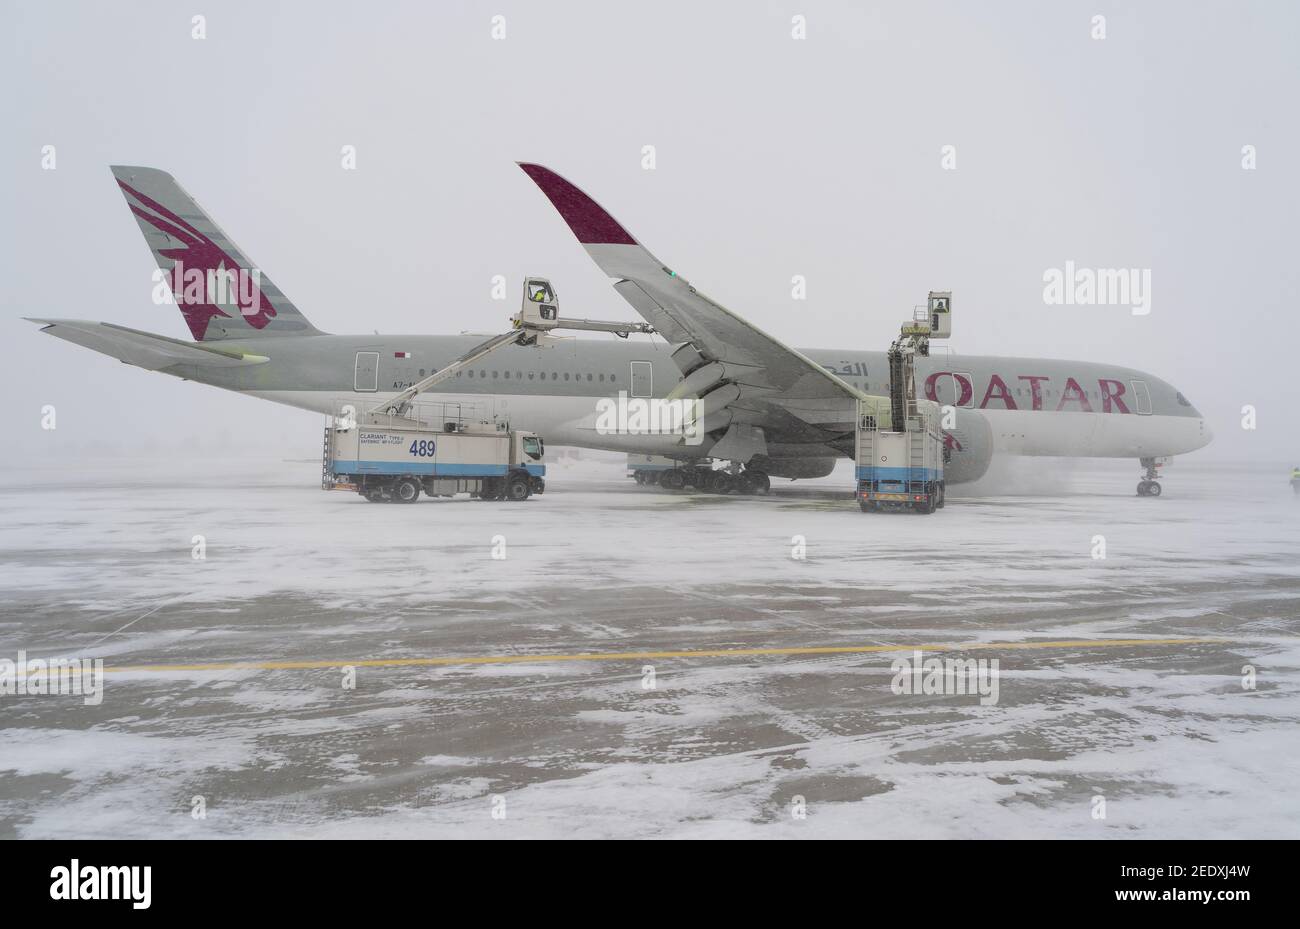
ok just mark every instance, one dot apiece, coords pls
pixel 509 697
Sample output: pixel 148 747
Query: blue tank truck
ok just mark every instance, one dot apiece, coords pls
pixel 444 452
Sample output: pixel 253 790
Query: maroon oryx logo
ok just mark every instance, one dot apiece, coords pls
pixel 199 260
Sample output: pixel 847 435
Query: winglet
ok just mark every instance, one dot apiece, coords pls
pixel 588 219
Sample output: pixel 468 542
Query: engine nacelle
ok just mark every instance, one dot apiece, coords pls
pixel 970 445
pixel 793 468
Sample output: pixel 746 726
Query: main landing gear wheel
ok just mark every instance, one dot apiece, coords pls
pixel 1149 489
pixel 759 481
pixel 723 483
pixel 672 480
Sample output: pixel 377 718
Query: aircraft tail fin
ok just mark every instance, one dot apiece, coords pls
pixel 219 291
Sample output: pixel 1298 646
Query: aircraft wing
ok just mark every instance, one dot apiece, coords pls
pixel 145 349
pixel 766 384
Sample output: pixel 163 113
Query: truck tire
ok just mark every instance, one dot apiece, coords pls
pixel 373 494
pixel 517 489
pixel 406 490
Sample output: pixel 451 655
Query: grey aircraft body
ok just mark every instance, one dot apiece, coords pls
pixel 782 411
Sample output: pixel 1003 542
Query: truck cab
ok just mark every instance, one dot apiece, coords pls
pixel 528 453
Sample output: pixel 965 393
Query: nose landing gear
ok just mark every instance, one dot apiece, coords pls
pixel 1149 486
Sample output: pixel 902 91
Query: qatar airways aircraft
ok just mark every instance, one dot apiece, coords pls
pixel 776 411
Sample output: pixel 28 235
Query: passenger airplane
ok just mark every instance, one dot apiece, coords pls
pixel 776 411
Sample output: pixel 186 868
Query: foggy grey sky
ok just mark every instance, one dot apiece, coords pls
pixel 774 157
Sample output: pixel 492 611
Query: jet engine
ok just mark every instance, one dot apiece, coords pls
pixel 970 446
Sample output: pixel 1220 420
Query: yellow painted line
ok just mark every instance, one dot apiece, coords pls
pixel 639 656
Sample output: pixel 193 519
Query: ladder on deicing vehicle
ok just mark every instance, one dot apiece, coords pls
pixel 326 473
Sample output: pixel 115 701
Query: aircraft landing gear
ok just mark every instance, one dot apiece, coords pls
pixel 706 479
pixel 1149 486
pixel 672 479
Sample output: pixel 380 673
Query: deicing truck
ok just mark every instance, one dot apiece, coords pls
pixel 388 457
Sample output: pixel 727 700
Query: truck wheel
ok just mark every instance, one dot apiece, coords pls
pixel 762 483
pixel 673 480
pixel 518 489
pixel 723 482
pixel 939 503
pixel 406 490
pixel 373 494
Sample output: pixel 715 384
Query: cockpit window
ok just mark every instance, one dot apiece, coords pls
pixel 1182 400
